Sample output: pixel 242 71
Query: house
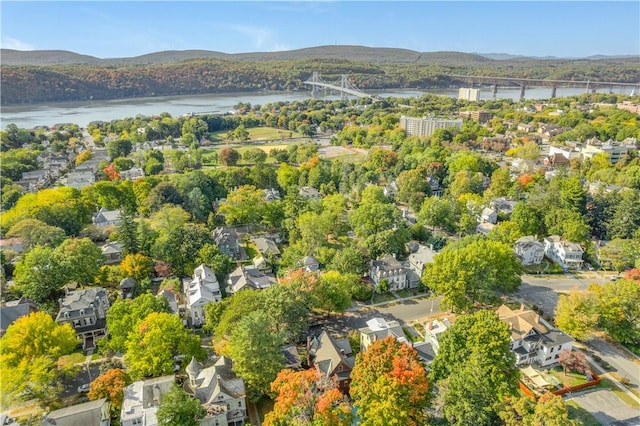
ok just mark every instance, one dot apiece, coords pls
pixel 141 399
pixel 533 340
pixel 132 174
pixel 11 311
pixel 112 253
pixel 262 264
pixel 310 264
pixel 104 217
pixel 200 290
pixel 525 127
pixel 93 413
pixel 432 331
pixel 247 277
pixel 564 253
pixel 13 244
pixel 332 358
pixel 127 286
pixel 271 194
pixel 80 179
pixel 309 193
pixel 228 241
pixel 389 269
pixel 484 228
pixel 86 311
pixel 488 215
pixel 613 150
pixel 171 297
pixel 529 250
pixel 556 159
pixel 391 189
pixel 502 205
pixel 377 329
pixel 221 393
pixel 419 258
pixel 291 356
pixel 267 247
pixel 436 189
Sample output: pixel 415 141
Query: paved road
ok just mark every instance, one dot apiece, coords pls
pixel 605 406
pixel 623 363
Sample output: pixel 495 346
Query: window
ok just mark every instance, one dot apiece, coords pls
pixel 239 404
pixel 557 356
pixel 551 349
pixel 137 421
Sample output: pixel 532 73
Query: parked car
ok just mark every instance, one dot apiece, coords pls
pixel 83 388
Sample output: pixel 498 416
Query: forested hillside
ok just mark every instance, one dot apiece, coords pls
pixel 160 74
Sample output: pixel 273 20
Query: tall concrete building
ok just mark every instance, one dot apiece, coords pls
pixel 425 126
pixel 468 94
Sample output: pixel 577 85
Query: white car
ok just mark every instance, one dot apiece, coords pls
pixel 83 388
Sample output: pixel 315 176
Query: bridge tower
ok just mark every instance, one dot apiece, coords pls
pixel 522 90
pixel 553 91
pixel 315 90
pixel 344 84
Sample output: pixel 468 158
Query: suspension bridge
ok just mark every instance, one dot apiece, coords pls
pixel 343 85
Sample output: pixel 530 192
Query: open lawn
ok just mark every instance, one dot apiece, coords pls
pixel 256 134
pixel 572 379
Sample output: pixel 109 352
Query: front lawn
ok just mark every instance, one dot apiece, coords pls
pixel 571 378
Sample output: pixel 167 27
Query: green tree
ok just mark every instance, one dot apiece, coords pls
pixel 177 408
pixel 438 212
pixel 28 354
pixel 127 233
pixel 626 215
pixel 500 183
pixel 157 339
pixel 39 275
pixel 255 156
pixel 243 206
pixel 126 314
pixel 118 148
pixel 34 232
pixel 389 385
pixel 220 263
pixel 478 271
pixel 576 315
pixel 549 410
pixel 80 259
pixel 618 304
pixel 255 348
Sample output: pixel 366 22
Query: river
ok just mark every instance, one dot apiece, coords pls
pixel 82 113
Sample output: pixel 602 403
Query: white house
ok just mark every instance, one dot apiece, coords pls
pixel 377 329
pixel 489 215
pixel 200 290
pixel 221 393
pixel 533 340
pixel 432 331
pixel 566 254
pixel 388 268
pixel 529 250
pixel 141 400
pixel 420 258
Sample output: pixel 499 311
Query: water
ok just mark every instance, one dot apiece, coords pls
pixel 82 113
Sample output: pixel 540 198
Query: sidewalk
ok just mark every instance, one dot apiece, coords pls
pixel 359 306
pixel 604 374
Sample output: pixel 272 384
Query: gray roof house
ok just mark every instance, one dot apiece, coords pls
pixel 93 413
pixel 200 290
pixel 266 247
pixel 309 193
pixel 11 311
pixel 529 250
pixel 141 400
pixel 489 215
pixel 378 329
pixel 86 311
pixel 420 258
pixel 332 358
pixel 104 217
pixel 247 277
pixel 228 241
pixel 390 269
pixel 220 391
pixel 310 263
pixel 112 252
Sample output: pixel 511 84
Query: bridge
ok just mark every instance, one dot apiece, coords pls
pixel 343 86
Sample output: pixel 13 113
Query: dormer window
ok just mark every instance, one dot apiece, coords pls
pixel 66 314
pixel 81 311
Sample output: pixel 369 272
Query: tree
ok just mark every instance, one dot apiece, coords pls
pixel 618 304
pixel 229 157
pixel 373 215
pixel 157 339
pixel 137 266
pixel 110 385
pixel 527 218
pixel 288 307
pixel 333 294
pixel 478 271
pixel 549 410
pixel 126 314
pixel 389 385
pixel 177 408
pixel 305 398
pixel 500 183
pixel 475 367
pixel 255 156
pixel 620 254
pixel 28 354
pixel 243 206
pixel 573 361
pixel 438 212
pixel 127 234
pixel 626 215
pixel 39 275
pixel 80 260
pixel 220 263
pixel 118 148
pixel 576 315
pixel 255 348
pixel 34 232
pixel 349 260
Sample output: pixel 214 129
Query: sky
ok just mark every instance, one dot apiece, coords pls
pixel 123 28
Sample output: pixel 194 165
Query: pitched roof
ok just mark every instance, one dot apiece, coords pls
pixel 328 353
pixel 87 414
pixel 266 246
pixel 10 312
pixel 521 322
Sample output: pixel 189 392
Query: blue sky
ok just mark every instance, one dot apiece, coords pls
pixel 121 28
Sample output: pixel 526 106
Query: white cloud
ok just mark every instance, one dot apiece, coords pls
pixel 15 44
pixel 261 39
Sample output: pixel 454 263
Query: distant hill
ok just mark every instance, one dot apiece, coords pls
pixel 58 75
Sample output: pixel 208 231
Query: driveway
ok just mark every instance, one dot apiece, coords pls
pixel 605 406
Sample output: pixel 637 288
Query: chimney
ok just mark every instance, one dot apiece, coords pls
pixel 342 354
pixel 430 325
pixel 522 307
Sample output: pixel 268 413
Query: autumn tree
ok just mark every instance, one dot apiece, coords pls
pixel 28 354
pixel 177 408
pixel 618 306
pixel 110 385
pixel 389 385
pixel 157 339
pixel 573 361
pixel 549 409
pixel 577 315
pixel 254 346
pixel 479 271
pixel 137 266
pixel 229 157
pixel 305 398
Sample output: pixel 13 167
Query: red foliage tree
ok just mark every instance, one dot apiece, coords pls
pixel 110 385
pixel 573 361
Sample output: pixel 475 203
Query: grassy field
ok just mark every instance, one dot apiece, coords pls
pixel 257 134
